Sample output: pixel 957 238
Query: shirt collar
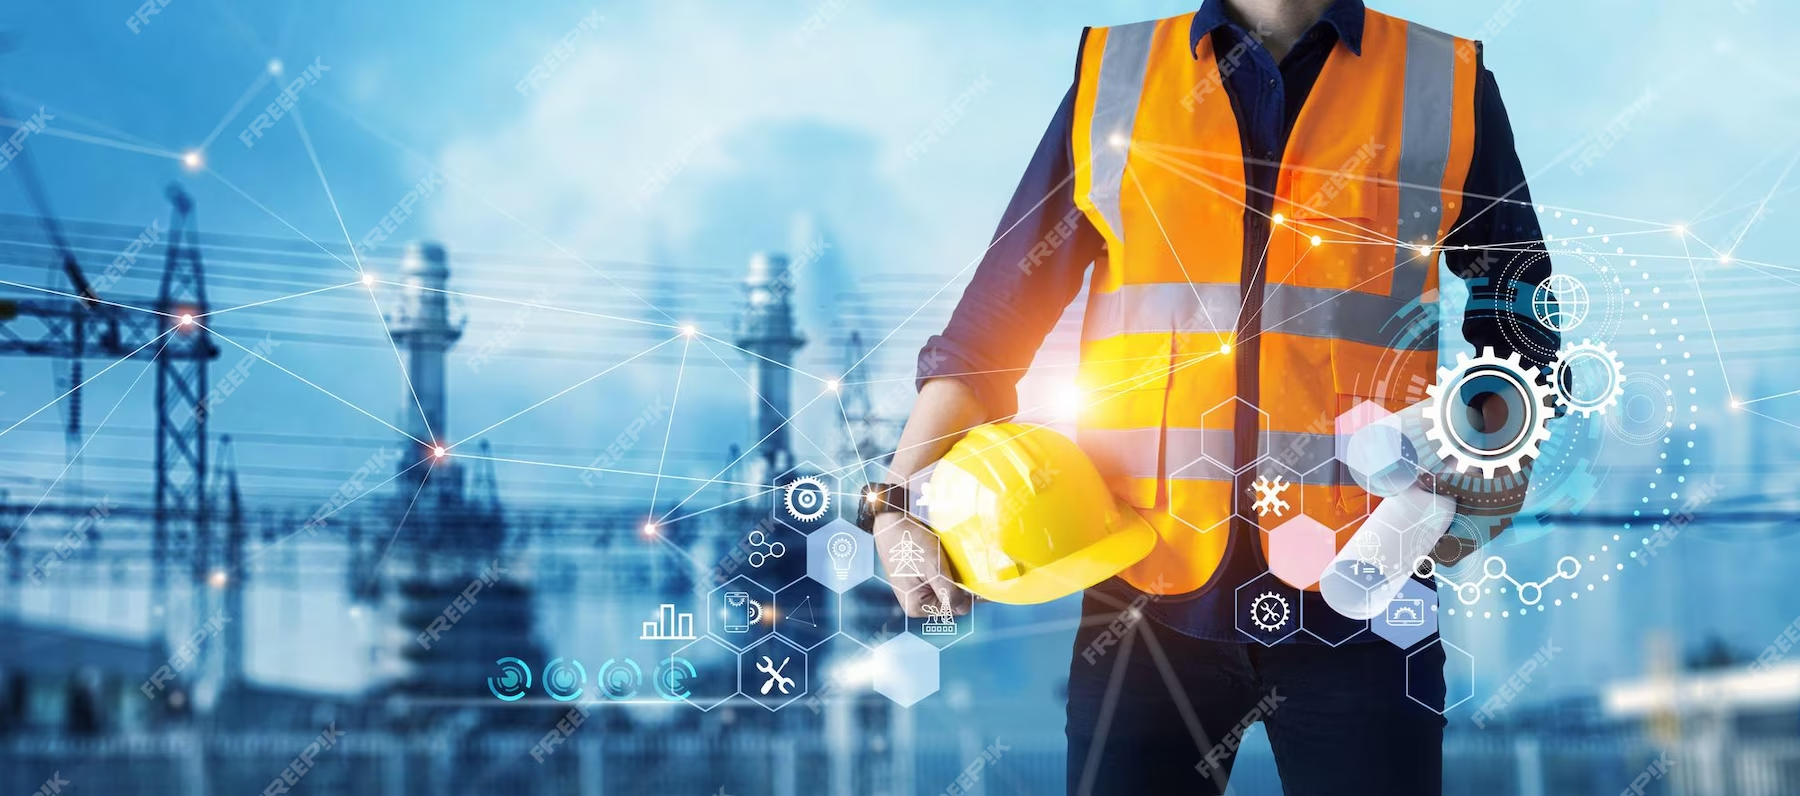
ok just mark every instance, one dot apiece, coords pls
pixel 1344 16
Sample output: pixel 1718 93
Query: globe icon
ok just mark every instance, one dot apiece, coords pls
pixel 1560 302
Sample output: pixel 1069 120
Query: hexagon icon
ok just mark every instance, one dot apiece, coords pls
pixel 772 554
pixel 1454 668
pixel 1330 626
pixel 807 613
pixel 1411 617
pixel 736 615
pixel 1217 447
pixel 906 669
pixel 871 613
pixel 703 673
pixel 910 552
pixel 773 673
pixel 840 556
pixel 805 498
pixel 1267 609
pixel 943 628
pixel 1300 550
pixel 1274 495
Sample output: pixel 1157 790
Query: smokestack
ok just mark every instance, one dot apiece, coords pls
pixel 422 330
pixel 767 331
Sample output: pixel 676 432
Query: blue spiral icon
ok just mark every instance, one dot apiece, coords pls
pixel 514 680
pixel 619 678
pixel 564 681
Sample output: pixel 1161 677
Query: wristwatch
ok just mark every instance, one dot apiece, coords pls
pixel 879 499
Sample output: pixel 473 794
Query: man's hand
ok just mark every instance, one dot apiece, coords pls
pixel 932 585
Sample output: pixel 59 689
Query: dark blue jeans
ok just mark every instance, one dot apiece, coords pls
pixel 1160 712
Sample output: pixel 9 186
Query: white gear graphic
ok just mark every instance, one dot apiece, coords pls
pixel 802 512
pixel 1269 612
pixel 1601 400
pixel 1268 495
pixel 1459 453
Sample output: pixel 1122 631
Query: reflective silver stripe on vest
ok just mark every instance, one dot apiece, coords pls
pixel 1127 453
pixel 1428 116
pixel 1195 454
pixel 1287 309
pixel 1121 85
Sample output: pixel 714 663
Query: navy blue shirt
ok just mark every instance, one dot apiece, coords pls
pixel 1006 311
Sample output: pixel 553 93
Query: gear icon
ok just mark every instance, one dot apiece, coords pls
pixel 1269 612
pixel 806 498
pixel 1529 407
pixel 1268 495
pixel 1596 400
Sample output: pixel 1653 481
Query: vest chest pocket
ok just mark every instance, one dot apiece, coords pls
pixel 1351 217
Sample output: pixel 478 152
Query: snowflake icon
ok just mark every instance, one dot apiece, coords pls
pixel 1268 495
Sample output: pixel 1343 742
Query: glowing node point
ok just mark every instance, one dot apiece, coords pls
pixel 1424 249
pixel 1680 230
pixel 1736 404
pixel 832 385
pixel 187 320
pixel 1724 259
pixel 217 579
pixel 192 160
pixel 439 452
pixel 1117 140
pixel 688 330
pixel 1279 219
pixel 1224 348
pixel 649 529
pixel 368 278
pixel 1316 240
pixel 274 66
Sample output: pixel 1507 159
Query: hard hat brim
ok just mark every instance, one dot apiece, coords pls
pixel 1103 559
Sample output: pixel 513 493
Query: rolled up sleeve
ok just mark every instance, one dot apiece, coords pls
pixel 1031 271
pixel 1497 245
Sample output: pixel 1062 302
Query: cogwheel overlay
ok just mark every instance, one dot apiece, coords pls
pixel 1269 612
pixel 1595 400
pixel 1460 446
pixel 806 498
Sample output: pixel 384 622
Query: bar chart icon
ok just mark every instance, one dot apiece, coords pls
pixel 669 626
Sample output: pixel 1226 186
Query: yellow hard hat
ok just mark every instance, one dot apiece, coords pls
pixel 1026 518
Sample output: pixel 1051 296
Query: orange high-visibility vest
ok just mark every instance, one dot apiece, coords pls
pixel 1373 170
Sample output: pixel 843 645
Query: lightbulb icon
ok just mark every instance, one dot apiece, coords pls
pixel 841 547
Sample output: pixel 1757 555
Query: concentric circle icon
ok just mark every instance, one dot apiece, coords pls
pixel 1456 428
pixel 619 678
pixel 672 676
pixel 564 681
pixel 806 498
pixel 513 682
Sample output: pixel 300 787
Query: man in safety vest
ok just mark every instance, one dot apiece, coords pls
pixel 1264 189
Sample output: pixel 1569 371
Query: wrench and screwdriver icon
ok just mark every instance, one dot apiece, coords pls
pixel 769 668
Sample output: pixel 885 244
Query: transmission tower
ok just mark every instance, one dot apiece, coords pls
pixel 181 505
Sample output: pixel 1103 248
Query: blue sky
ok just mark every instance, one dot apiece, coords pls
pixel 675 138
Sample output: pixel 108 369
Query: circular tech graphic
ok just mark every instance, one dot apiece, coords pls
pixel 806 498
pixel 1560 302
pixel 1269 612
pixel 672 676
pixel 513 682
pixel 1646 410
pixel 1589 377
pixel 619 678
pixel 1451 423
pixel 1581 496
pixel 564 682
